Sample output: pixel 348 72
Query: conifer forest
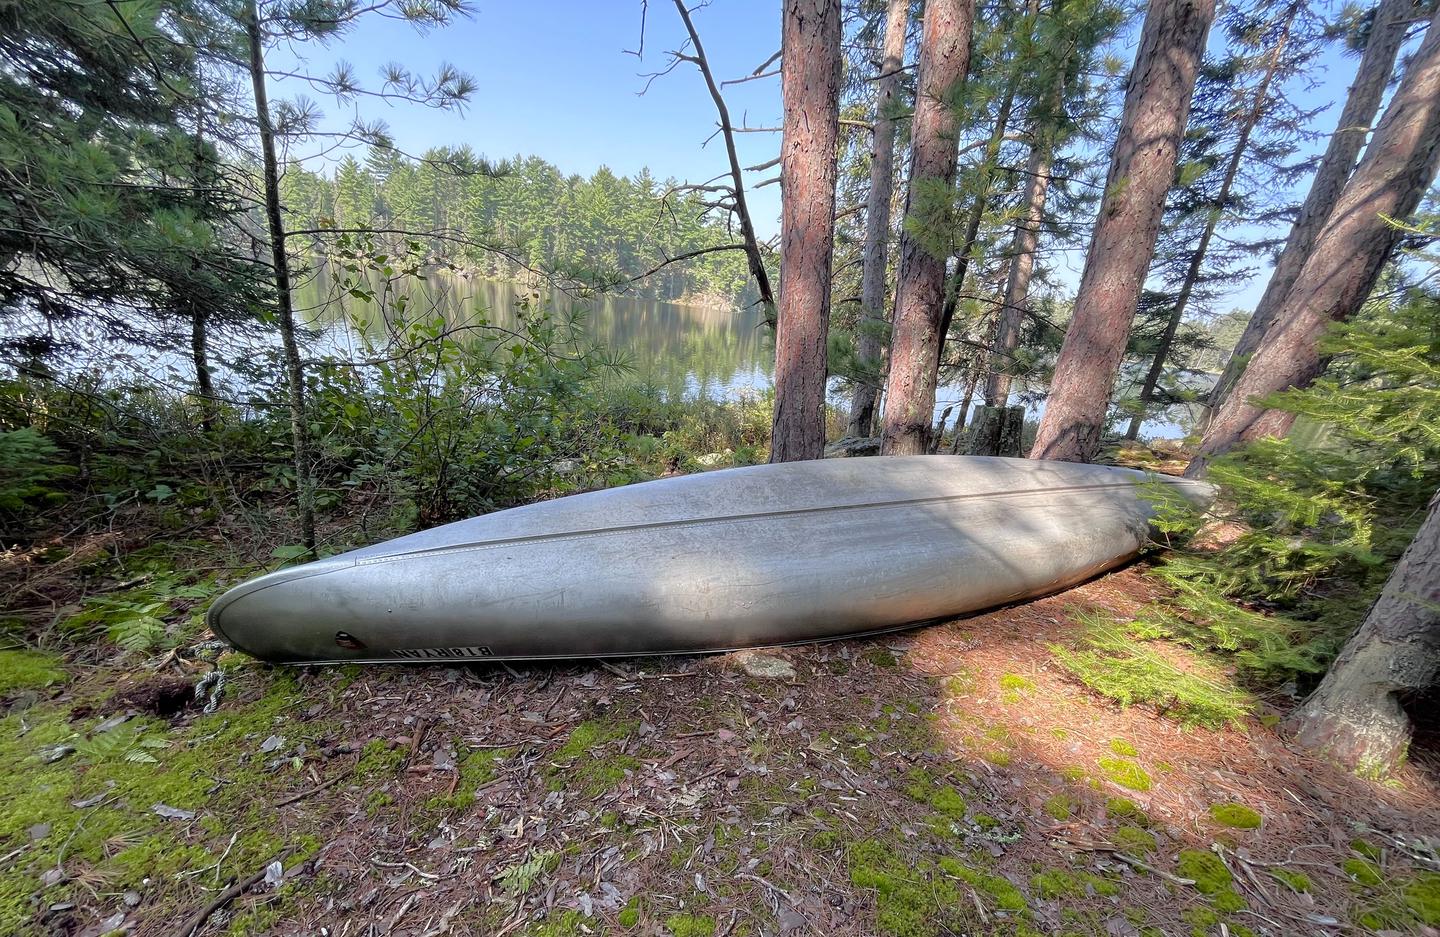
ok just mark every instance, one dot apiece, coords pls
pixel 927 468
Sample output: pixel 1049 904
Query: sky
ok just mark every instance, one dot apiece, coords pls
pixel 555 80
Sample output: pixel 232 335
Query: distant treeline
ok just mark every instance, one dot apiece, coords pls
pixel 604 228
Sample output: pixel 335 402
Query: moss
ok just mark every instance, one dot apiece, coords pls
pixel 379 758
pixel 1366 848
pixel 880 657
pixel 29 670
pixel 560 924
pixel 998 757
pixel 1123 748
pixel 476 770
pixel 630 914
pixel 1211 878
pixel 1422 897
pixel 690 925
pixel 944 798
pixel 1235 815
pixel 1133 841
pixel 376 802
pixel 985 821
pixel 1201 921
pixel 825 840
pixel 1072 773
pixel 908 901
pixel 1051 884
pixel 1362 872
pixel 586 770
pixel 1126 774
pixel 1001 891
pixel 1123 808
pixel 1061 806
pixel 1014 687
pixel 1297 882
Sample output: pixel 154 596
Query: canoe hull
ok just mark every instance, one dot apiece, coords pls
pixel 746 557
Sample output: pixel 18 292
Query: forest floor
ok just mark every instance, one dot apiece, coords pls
pixel 947 780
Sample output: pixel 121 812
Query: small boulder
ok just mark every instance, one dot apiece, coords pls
pixel 850 447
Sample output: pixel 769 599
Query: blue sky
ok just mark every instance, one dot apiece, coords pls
pixel 555 81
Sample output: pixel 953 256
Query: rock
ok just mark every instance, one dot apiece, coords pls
pixel 851 447
pixel 765 666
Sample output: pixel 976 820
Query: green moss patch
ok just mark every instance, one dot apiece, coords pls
pixel 1051 884
pixel 1133 841
pixel 581 763
pixel 1362 871
pixel 690 925
pixel 1123 748
pixel 1234 815
pixel 1126 773
pixel 29 670
pixel 1298 882
pixel 1123 808
pixel 1211 878
pixel 1061 806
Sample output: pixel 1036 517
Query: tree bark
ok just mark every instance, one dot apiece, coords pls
pixel 1157 103
pixel 200 358
pixel 870 344
pixel 1222 199
pixel 737 181
pixel 1354 716
pixel 284 306
pixel 810 87
pixel 1377 63
pixel 1347 257
pixel 920 281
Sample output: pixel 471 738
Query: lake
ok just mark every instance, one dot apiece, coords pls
pixel 687 352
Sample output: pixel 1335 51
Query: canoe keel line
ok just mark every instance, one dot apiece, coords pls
pixel 746 557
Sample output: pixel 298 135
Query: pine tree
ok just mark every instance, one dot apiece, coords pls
pixel 1157 103
pixel 920 280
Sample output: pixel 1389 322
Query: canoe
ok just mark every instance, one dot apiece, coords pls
pixel 743 557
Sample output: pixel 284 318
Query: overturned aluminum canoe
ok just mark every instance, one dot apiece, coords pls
pixel 763 555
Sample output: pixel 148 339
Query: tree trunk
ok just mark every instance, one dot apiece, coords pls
pixel 1017 285
pixel 870 344
pixel 1354 717
pixel 200 357
pixel 1377 63
pixel 920 281
pixel 810 86
pixel 284 307
pixel 1157 103
pixel 1197 260
pixel 1347 258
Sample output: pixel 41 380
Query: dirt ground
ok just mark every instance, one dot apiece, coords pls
pixel 946 780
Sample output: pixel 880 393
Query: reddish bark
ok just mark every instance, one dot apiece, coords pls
pixel 1157 104
pixel 1361 105
pixel 920 282
pixel 870 344
pixel 1197 259
pixel 810 85
pixel 1347 258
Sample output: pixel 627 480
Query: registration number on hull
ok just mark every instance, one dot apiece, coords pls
pixel 443 653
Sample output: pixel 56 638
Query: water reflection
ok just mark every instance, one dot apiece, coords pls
pixel 685 351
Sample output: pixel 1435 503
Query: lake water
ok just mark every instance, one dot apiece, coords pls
pixel 686 351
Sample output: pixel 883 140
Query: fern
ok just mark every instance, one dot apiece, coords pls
pixel 124 743
pixel 520 877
